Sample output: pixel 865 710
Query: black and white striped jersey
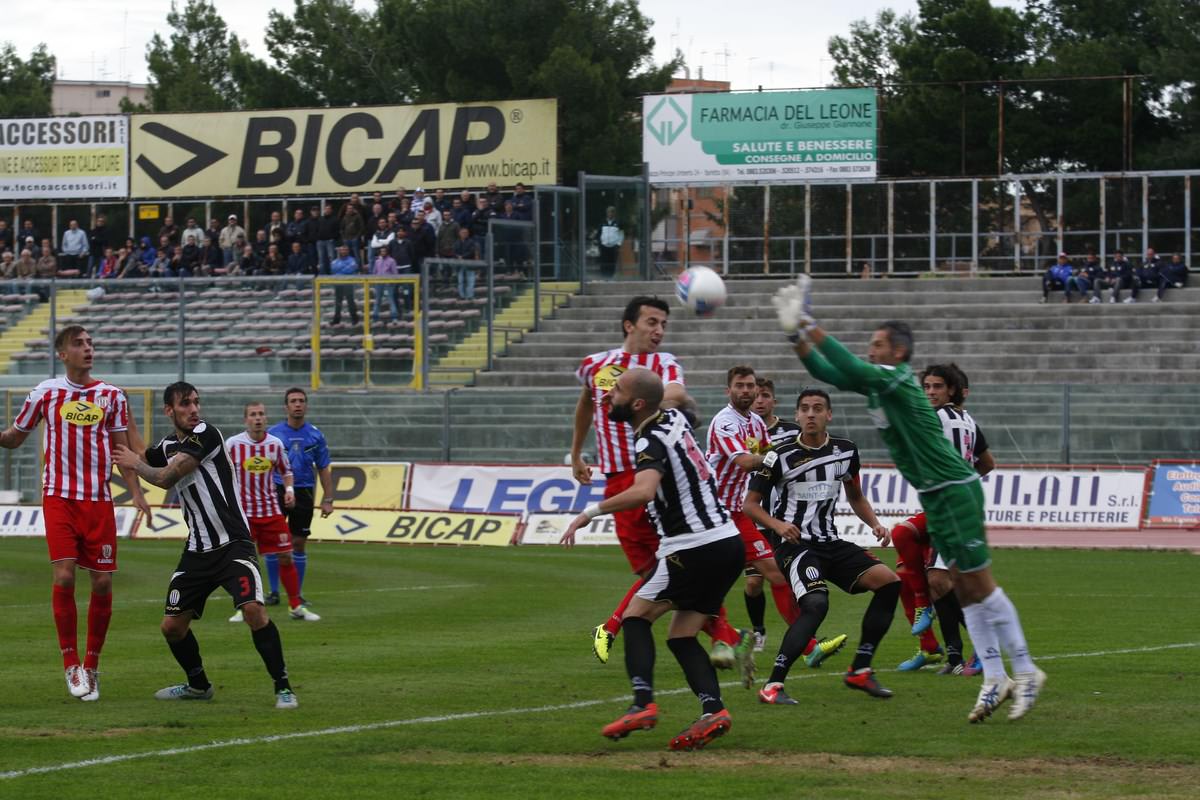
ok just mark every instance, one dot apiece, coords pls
pixel 209 494
pixel 781 430
pixel 685 510
pixel 809 481
pixel 960 428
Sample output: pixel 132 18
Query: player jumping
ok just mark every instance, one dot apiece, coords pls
pixel 949 488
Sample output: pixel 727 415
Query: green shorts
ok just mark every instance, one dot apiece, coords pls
pixel 955 520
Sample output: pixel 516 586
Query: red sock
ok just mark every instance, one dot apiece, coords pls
pixel 785 602
pixel 811 644
pixel 290 579
pixel 911 549
pixel 906 594
pixel 613 623
pixel 99 615
pixel 66 621
pixel 721 631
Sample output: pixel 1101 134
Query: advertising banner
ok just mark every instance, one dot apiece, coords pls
pixel 1083 499
pixel 508 488
pixel 64 158
pixel 336 151
pixel 362 485
pixel 409 527
pixel 760 137
pixel 27 521
pixel 1175 495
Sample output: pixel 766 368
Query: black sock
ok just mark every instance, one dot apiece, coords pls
pixel 699 672
pixel 187 653
pixel 639 659
pixel 268 645
pixel 950 617
pixel 756 607
pixel 813 607
pixel 876 621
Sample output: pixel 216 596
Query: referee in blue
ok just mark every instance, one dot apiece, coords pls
pixel 309 457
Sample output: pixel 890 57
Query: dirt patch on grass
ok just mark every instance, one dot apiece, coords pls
pixel 66 733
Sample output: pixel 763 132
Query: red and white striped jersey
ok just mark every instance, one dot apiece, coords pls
pixel 731 434
pixel 599 373
pixel 76 440
pixel 253 463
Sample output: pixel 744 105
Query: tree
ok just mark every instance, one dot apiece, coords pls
pixel 26 87
pixel 868 56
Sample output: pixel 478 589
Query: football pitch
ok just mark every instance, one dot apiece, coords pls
pixel 460 672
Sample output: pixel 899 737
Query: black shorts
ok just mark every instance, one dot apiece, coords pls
pixel 697 579
pixel 234 567
pixel 775 540
pixel 807 565
pixel 299 516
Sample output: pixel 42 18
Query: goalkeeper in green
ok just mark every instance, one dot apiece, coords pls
pixel 949 488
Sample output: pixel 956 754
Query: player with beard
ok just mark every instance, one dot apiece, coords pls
pixel 698 558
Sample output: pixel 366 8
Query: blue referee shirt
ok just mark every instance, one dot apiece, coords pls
pixel 306 451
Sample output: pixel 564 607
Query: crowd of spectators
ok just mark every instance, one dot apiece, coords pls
pixel 382 235
pixel 1091 278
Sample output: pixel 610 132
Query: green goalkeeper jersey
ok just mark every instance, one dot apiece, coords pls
pixel 905 418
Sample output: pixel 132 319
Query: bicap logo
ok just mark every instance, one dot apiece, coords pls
pixel 257 464
pixel 81 412
pixel 666 121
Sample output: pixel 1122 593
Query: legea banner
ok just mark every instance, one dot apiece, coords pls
pixel 501 489
pixel 760 137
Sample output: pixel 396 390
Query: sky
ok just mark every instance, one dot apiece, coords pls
pixel 776 44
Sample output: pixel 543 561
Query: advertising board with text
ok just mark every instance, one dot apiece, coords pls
pixel 511 489
pixel 760 137
pixel 28 521
pixel 353 525
pixel 1175 495
pixel 64 158
pixel 336 151
pixel 1082 499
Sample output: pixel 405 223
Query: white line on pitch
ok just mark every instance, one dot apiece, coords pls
pixel 430 587
pixel 399 723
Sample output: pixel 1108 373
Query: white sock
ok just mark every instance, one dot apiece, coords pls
pixel 987 644
pixel 1002 615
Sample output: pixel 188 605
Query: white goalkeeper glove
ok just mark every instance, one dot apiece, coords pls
pixel 792 307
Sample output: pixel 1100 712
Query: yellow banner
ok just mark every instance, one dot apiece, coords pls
pixel 409 527
pixel 366 485
pixel 336 151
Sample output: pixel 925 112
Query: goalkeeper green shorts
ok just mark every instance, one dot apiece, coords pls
pixel 956 523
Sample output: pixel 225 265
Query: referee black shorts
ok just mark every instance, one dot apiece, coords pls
pixel 233 567
pixel 696 579
pixel 299 516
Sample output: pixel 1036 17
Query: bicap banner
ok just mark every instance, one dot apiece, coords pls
pixel 760 137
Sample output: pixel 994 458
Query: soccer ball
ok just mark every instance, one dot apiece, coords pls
pixel 701 290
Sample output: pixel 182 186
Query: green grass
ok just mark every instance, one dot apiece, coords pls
pixel 508 631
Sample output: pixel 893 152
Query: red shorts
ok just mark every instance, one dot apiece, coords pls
pixel 928 554
pixel 635 531
pixel 757 546
pixel 271 534
pixel 83 530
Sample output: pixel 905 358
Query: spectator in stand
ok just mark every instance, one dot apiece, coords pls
pixel 212 260
pixel 74 250
pixel 378 212
pixel 110 263
pixel 1152 275
pixel 329 231
pixel 357 202
pixel 418 199
pixel 467 199
pixel 29 235
pixel 26 269
pixel 1121 276
pixel 146 252
pixel 275 263
pixel 193 230
pixel 494 196
pixel 190 255
pixel 447 235
pixel 299 262
pixel 1055 277
pixel 440 201
pixel 352 228
pixel 382 240
pixel 46 269
pixel 7 242
pixel 1177 272
pixel 405 213
pixel 169 231
pixel 177 267
pixel 260 245
pixel 276 223
pixel 423 239
pixel 248 264
pixel 8 272
pixel 1086 278
pixel 228 238
pixel 401 195
pixel 522 203
pixel 133 266
pixel 161 267
pixel 98 242
pixel 467 249
pixel 344 265
pixel 433 217
pixel 214 230
pixel 385 266
pixel 308 234
pixel 479 220
pixel 610 239
pixel 461 213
